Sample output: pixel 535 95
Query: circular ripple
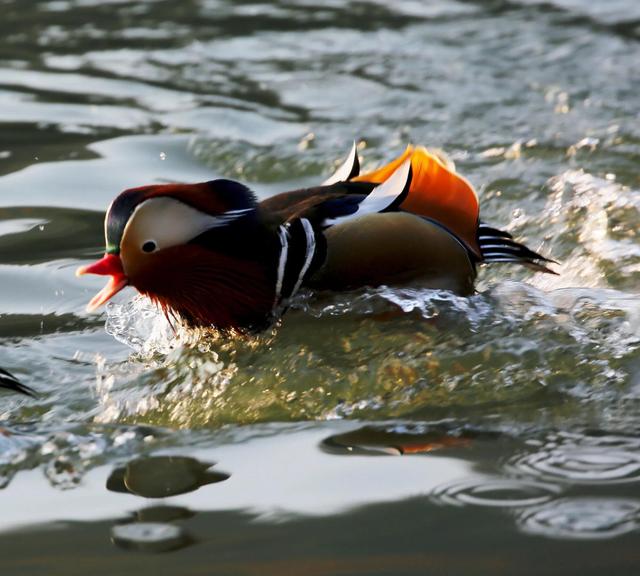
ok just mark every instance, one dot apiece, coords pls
pixel 582 518
pixel 495 492
pixel 584 460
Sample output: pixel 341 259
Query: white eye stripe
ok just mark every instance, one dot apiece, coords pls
pixel 170 222
pixel 229 216
pixel 236 213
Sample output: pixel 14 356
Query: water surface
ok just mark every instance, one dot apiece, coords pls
pixel 385 431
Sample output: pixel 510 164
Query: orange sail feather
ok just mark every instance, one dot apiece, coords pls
pixel 436 192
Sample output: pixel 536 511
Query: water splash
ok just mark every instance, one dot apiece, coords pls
pixel 376 353
pixel 591 225
pixel 140 325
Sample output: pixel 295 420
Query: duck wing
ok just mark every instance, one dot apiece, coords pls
pixel 436 192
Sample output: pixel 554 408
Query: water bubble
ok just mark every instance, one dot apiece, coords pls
pixel 582 518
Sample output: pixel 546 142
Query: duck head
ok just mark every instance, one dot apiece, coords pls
pixel 200 251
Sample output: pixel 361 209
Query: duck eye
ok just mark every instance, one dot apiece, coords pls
pixel 149 246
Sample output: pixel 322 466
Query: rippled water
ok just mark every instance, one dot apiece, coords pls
pixel 517 408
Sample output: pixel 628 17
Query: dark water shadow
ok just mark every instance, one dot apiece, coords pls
pixel 411 537
pixel 57 233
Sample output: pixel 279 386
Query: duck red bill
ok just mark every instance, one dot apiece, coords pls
pixel 109 265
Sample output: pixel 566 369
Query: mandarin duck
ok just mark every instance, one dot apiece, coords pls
pixel 212 255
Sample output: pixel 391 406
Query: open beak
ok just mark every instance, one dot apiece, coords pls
pixel 110 265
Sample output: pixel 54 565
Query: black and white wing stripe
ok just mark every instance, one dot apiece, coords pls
pixel 302 251
pixel 499 246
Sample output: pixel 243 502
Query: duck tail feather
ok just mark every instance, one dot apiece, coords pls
pixel 499 246
pixel 9 382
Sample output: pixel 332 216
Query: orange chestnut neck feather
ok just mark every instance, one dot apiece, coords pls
pixel 208 288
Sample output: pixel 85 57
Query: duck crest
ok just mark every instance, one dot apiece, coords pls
pixel 216 197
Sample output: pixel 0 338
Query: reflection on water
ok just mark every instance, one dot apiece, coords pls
pixel 532 485
pixel 150 536
pixel 163 513
pixel 154 528
pixel 281 475
pixel 402 439
pixel 163 476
